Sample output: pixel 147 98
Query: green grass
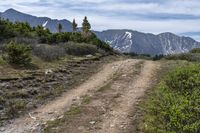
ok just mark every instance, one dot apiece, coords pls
pixel 2 62
pixel 105 87
pixel 74 110
pixel 173 106
pixel 86 99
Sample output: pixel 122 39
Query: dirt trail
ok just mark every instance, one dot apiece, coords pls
pixel 110 109
pixel 118 120
pixel 34 120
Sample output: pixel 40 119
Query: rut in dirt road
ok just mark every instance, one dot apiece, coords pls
pixel 110 108
pixel 118 120
pixel 33 121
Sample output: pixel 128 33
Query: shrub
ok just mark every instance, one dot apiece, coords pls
pixel 184 79
pixel 18 54
pixel 174 105
pixel 25 40
pixel 157 57
pixel 195 50
pixel 80 49
pixel 48 52
pixel 185 56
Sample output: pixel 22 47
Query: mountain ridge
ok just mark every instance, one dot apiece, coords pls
pixel 123 40
pixel 35 21
pixel 128 41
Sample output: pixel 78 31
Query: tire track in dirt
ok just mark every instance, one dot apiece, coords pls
pixel 33 121
pixel 118 120
pixel 110 108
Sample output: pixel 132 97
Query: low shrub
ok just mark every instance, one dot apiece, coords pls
pixel 25 40
pixel 18 54
pixel 184 79
pixel 195 50
pixel 174 105
pixel 49 53
pixel 158 57
pixel 185 56
pixel 79 49
pixel 14 108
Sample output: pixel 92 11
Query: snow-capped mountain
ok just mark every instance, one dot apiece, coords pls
pixel 123 40
pixel 51 24
pixel 145 43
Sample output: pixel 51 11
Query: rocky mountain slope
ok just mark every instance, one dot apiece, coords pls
pixel 51 24
pixel 128 41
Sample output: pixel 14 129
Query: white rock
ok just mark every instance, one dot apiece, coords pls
pixel 88 56
pixel 92 122
pixel 2 129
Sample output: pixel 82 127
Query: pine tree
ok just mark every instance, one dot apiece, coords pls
pixel 60 28
pixel 86 25
pixel 74 25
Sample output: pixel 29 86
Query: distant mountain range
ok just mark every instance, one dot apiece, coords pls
pixel 123 40
pixel 128 41
pixel 51 24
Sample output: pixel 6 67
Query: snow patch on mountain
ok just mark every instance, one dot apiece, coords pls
pixel 127 41
pixel 128 34
pixel 44 24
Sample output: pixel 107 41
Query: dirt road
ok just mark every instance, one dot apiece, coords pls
pixel 126 86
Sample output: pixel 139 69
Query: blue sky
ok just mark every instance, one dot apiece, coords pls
pixel 155 16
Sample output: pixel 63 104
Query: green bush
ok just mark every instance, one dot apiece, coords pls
pixel 174 106
pixel 195 50
pixel 18 54
pixel 80 49
pixel 184 79
pixel 184 56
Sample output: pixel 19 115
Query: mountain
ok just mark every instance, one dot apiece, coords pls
pixel 51 24
pixel 128 41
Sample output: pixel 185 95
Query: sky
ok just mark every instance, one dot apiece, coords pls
pixel 151 16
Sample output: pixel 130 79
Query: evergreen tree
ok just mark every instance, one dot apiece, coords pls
pixel 60 28
pixel 18 54
pixel 86 25
pixel 74 25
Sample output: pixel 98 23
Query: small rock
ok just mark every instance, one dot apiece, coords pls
pixel 1 107
pixel 112 125
pixel 52 119
pixel 2 129
pixel 124 75
pixel 81 128
pixel 60 117
pixel 50 113
pixel 48 71
pixel 88 56
pixel 92 122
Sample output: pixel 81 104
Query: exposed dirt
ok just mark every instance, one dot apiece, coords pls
pixel 34 121
pixel 118 120
pixel 34 87
pixel 110 108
